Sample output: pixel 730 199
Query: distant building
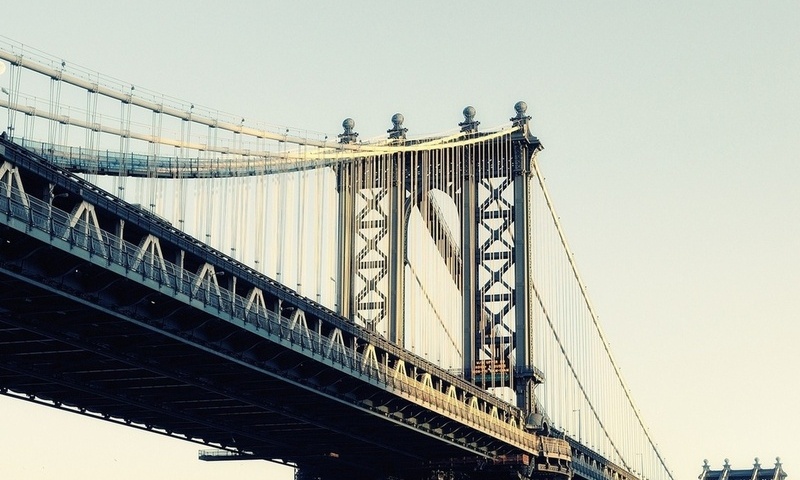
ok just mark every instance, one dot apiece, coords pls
pixel 756 473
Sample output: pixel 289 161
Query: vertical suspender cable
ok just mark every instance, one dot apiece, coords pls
pixel 55 100
pixel 13 98
pixel 300 215
pixel 321 221
pixel 280 251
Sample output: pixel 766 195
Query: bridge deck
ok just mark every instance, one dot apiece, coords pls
pixel 178 371
pixel 87 326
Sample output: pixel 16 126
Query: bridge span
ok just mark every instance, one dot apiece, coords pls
pixel 109 311
pixel 399 307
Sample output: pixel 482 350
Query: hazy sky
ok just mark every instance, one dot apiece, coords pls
pixel 672 135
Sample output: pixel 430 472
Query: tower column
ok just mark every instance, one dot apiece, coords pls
pixel 397 251
pixel 469 259
pixel 346 188
pixel 524 148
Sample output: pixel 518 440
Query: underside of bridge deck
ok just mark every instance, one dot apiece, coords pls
pixel 82 338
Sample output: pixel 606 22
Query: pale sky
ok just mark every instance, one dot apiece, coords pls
pixel 672 153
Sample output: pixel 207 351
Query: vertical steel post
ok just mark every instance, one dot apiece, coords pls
pixel 396 256
pixel 469 195
pixel 522 310
pixel 524 147
pixel 469 257
pixel 397 250
pixel 344 267
pixel 346 188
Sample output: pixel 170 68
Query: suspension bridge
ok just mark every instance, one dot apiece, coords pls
pixel 395 307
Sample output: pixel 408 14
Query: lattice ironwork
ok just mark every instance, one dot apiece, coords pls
pixel 496 269
pixel 371 258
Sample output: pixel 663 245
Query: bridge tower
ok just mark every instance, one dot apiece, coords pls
pixel 496 233
pixel 489 183
pixel 758 472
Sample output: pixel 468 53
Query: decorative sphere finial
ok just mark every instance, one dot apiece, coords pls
pixel 398 119
pixel 520 119
pixel 397 130
pixel 469 113
pixel 349 135
pixel 469 124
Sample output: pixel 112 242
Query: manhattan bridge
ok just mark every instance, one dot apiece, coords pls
pixel 391 308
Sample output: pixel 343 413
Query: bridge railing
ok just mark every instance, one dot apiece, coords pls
pixel 204 290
